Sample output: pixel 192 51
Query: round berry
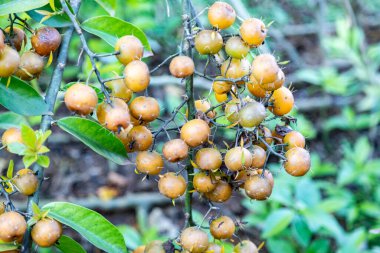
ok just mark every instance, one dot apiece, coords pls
pixel 81 99
pixel 130 49
pixel 46 40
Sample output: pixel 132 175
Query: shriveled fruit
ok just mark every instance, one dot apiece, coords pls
pixel 267 174
pixel 140 249
pixel 114 116
pixel 297 161
pixel 221 15
pixel 149 162
pixel 203 183
pixel 139 138
pixel 171 185
pixel 255 89
pixel 236 48
pixel 282 101
pixel 258 156
pixel 25 181
pixel 11 135
pixel 221 193
pixel 220 86
pixel 181 66
pixel 208 42
pixel 17 37
pixel 265 68
pixel 154 247
pixel 222 227
pixel 294 139
pixel 46 40
pixel 120 90
pixel 245 247
pixel 235 68
pixel 258 187
pixel 238 158
pixel 146 109
pixel 214 248
pixel 252 114
pixel 175 150
pixel 253 32
pixel 81 99
pixel 31 66
pixel 194 240
pixel 9 61
pixel 208 159
pixel 221 97
pixel 130 49
pixel 46 232
pixel 266 134
pixel 280 79
pixel 195 132
pixel 136 76
pixel 232 111
pixel 12 226
pixel 203 106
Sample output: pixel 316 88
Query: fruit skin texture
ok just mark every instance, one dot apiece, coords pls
pixel 203 106
pixel 149 162
pixel 18 38
pixel 194 240
pixel 214 248
pixel 297 161
pixel 175 150
pixel 26 182
pixel 120 90
pixel 31 66
pixel 81 98
pixel 252 114
pixel 221 97
pixel 236 48
pixel 139 249
pixel 255 89
pixel 11 135
pixel 195 132
pixel 245 247
pixel 221 15
pixel 282 100
pixel 139 138
pixel 2 208
pixel 130 49
pixel 181 66
pixel 253 32
pixel 9 61
pixel 208 159
pixel 114 116
pixel 266 134
pixel 280 80
pixel 258 187
pixel 208 42
pixel 232 111
pixel 46 232
pixel 222 227
pixel 258 156
pixel 235 157
pixel 171 185
pixel 294 139
pixel 221 87
pixel 146 109
pixel 137 76
pixel 2 41
pixel 267 174
pixel 235 68
pixel 12 226
pixel 154 247
pixel 265 68
pixel 46 40
pixel 203 183
pixel 221 193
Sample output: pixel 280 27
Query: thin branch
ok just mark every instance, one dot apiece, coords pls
pixel 163 62
pixel 271 149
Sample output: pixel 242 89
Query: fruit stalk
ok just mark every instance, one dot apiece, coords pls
pixel 50 99
pixel 189 87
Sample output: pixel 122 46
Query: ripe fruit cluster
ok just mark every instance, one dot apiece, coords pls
pixel 28 66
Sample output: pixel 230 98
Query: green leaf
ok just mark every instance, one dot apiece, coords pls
pixel 301 231
pixel 108 5
pixel 111 29
pixel 89 224
pixel 17 148
pixel 319 246
pixel 43 150
pixel 11 119
pixel 95 136
pixel 25 100
pixel 58 20
pixel 36 209
pixel 29 160
pixel 15 6
pixel 28 136
pixel 283 246
pixel 131 236
pixel 7 246
pixel 43 160
pixel 69 245
pixel 277 221
pixel 10 169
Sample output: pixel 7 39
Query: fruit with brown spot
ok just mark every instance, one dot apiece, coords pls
pixel 221 193
pixel 245 247
pixel 194 240
pixel 175 150
pixel 149 162
pixel 17 37
pixel 222 228
pixel 12 226
pixel 282 101
pixel 31 66
pixel 253 31
pixel 195 132
pixel 203 183
pixel 139 138
pixel 146 109
pixel 25 181
pixel 46 40
pixel 171 185
pixel 208 159
pixel 46 232
pixel 181 66
pixel 297 161
pixel 120 90
pixel 9 61
pixel 114 116
pixel 294 139
pixel 258 187
pixel 221 15
pixel 265 68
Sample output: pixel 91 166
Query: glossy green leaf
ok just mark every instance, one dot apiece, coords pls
pixel 10 169
pixel 11 119
pixel 25 100
pixel 7 246
pixel 69 245
pixel 58 20
pixel 29 137
pixel 89 224
pixel 15 6
pixel 111 29
pixel 277 221
pixel 95 136
pixel 108 5
pixel 43 161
